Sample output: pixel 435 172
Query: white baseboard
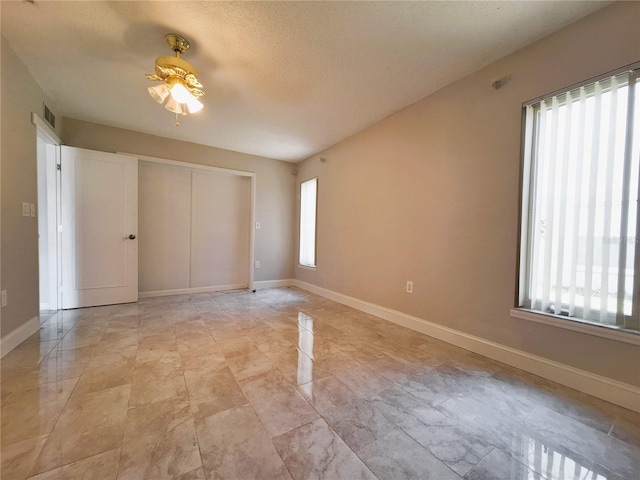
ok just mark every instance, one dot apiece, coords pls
pixel 620 393
pixel 14 338
pixel 185 291
pixel 288 282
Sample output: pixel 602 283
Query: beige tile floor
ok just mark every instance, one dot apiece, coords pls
pixel 285 384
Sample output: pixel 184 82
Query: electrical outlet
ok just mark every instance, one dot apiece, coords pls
pixel 409 286
pixel 26 209
pixel 4 298
pixel 257 225
pixel 257 263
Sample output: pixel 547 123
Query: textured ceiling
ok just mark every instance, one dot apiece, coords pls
pixel 282 79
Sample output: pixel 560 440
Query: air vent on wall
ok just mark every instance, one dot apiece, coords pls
pixel 49 117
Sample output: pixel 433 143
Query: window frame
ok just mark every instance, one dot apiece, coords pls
pixel 526 206
pixel 315 227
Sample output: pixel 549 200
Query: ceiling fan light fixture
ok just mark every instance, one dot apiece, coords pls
pixel 159 93
pixel 180 85
pixel 194 105
pixel 175 107
pixel 180 93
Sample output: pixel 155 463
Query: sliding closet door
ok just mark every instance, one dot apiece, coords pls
pixel 164 226
pixel 220 210
pixel 193 229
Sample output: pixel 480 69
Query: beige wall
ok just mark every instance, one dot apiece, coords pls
pixel 430 194
pixel 21 95
pixel 275 194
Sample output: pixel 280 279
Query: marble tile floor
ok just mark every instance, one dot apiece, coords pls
pixel 285 384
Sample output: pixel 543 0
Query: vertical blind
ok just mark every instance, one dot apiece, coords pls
pixel 308 198
pixel 582 156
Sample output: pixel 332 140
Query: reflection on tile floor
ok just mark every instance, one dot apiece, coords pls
pixel 284 384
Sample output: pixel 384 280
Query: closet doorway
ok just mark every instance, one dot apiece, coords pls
pixel 195 228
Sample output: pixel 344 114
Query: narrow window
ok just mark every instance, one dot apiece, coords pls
pixel 579 251
pixel 308 202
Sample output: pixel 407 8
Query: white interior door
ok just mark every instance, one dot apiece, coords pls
pixel 99 228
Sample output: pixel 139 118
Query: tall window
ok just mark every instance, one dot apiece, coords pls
pixel 580 255
pixel 308 201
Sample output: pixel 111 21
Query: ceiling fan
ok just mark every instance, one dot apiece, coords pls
pixel 180 85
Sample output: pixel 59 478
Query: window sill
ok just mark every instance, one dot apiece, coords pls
pixel 306 267
pixel 611 333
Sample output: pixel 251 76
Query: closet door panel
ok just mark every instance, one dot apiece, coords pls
pixel 164 227
pixel 220 211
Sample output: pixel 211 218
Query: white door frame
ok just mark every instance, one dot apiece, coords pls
pixel 48 135
pixel 221 171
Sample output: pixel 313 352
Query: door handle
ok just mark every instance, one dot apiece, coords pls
pixel 130 237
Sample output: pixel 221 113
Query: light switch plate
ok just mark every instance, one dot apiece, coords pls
pixel 26 209
pixel 33 209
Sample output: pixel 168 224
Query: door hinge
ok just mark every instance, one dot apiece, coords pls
pixel 58 166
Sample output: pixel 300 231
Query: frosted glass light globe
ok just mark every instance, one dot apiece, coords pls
pixel 180 94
